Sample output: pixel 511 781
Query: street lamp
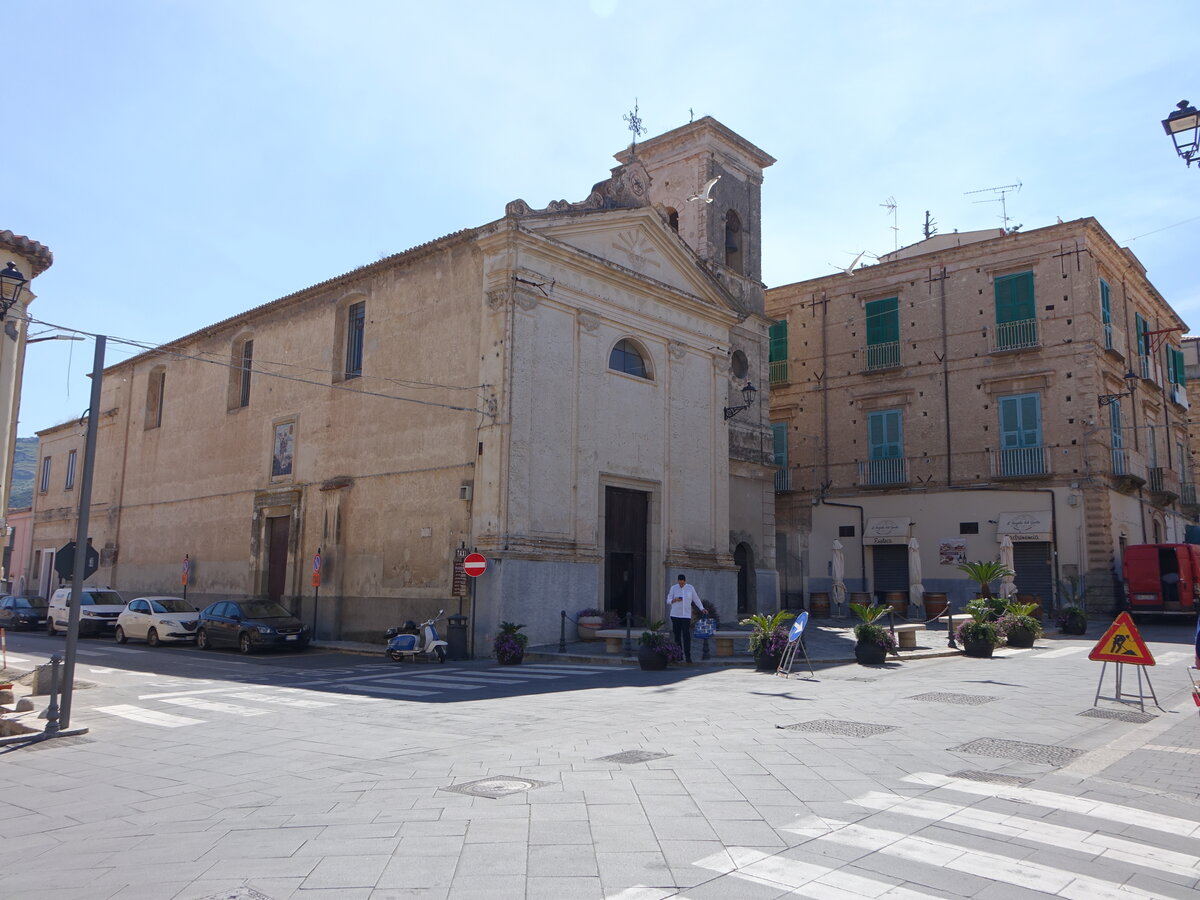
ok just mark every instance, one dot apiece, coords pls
pixel 12 283
pixel 748 393
pixel 1183 127
pixel 1107 399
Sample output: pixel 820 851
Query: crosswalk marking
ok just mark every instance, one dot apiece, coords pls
pixel 215 706
pixel 182 693
pixel 380 689
pixel 1193 750
pixel 443 681
pixel 296 702
pixel 148 716
pixel 1061 651
pixel 505 678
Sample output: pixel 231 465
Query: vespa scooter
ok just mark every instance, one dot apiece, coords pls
pixel 412 641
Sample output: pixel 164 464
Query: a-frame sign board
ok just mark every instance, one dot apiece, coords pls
pixel 1123 645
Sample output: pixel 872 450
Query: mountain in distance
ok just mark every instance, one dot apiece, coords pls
pixel 24 472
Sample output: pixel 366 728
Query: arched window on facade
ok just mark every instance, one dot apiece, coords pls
pixel 733 242
pixel 628 357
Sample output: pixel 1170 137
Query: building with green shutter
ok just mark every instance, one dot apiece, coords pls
pixel 969 388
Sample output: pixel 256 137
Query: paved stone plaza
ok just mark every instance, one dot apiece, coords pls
pixel 333 775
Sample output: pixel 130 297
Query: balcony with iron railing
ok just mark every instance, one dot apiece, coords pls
pixel 1187 494
pixel 883 356
pixel 1164 485
pixel 778 372
pixel 883 472
pixel 1020 462
pixel 1126 474
pixel 1019 335
pixel 783 481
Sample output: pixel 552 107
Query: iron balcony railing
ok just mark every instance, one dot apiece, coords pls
pixel 1157 478
pixel 1015 335
pixel 778 371
pixel 783 481
pixel 883 356
pixel 1108 336
pixel 882 472
pixel 1144 366
pixel 1187 493
pixel 1120 461
pixel 1020 462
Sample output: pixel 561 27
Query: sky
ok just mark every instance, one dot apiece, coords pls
pixel 187 160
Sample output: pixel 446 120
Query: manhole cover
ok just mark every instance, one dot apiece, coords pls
pixel 632 756
pixel 1035 753
pixel 960 699
pixel 991 777
pixel 1121 714
pixel 833 726
pixel 241 893
pixel 496 786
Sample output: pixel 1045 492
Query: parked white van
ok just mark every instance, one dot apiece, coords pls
pixel 98 610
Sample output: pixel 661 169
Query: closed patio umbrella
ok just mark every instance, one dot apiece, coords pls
pixel 1007 587
pixel 916 590
pixel 839 576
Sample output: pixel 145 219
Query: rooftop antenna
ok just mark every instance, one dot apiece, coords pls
pixel 1002 191
pixel 890 205
pixel 930 226
pixel 635 127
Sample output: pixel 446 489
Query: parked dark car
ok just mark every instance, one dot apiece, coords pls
pixel 23 612
pixel 250 625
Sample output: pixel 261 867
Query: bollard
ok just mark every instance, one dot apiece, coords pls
pixel 950 621
pixel 52 725
pixel 628 629
pixel 562 633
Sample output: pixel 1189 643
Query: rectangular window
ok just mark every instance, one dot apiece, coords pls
pixel 355 322
pixel 1116 440
pixel 247 364
pixel 1016 316
pixel 885 438
pixel 155 388
pixel 44 481
pixel 1143 344
pixel 1176 366
pixel 1021 436
pixel 1106 314
pixel 779 456
pixel 778 359
pixel 968 528
pixel 70 470
pixel 883 333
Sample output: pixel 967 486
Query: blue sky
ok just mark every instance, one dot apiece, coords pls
pixel 186 160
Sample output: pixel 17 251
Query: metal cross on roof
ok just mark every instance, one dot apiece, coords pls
pixel 635 123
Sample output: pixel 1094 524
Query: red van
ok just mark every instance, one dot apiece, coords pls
pixel 1163 577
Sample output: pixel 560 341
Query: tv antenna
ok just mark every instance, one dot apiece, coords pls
pixel 930 228
pixel 1002 191
pixel 890 205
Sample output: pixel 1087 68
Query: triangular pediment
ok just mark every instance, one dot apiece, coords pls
pixel 636 240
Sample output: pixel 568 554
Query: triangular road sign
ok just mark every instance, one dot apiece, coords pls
pixel 1122 644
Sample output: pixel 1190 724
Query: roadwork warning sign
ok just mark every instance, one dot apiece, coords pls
pixel 1122 644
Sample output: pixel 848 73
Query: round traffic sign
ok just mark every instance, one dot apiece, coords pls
pixel 475 565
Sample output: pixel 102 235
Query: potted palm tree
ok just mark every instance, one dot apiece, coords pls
pixel 768 637
pixel 1018 626
pixel 872 642
pixel 979 634
pixel 509 645
pixel 657 648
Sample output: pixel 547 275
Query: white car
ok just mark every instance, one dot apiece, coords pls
pixel 98 610
pixel 156 620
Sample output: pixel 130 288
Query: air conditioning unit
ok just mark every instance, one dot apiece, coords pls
pixel 1179 395
pixel 465 490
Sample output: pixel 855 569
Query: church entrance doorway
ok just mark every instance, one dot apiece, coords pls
pixel 278 528
pixel 626 519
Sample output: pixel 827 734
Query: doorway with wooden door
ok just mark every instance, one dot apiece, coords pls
pixel 626 533
pixel 278 531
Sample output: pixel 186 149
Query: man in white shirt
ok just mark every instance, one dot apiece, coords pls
pixel 680 599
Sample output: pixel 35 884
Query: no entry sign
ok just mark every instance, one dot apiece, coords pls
pixel 475 565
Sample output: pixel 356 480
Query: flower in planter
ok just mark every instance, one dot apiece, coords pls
pixel 979 628
pixel 661 642
pixel 509 644
pixel 588 613
pixel 867 632
pixel 766 628
pixel 1018 616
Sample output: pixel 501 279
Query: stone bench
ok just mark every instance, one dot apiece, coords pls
pixel 906 635
pixel 614 639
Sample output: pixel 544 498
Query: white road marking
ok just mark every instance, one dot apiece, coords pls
pixel 214 706
pixel 19 660
pixel 100 670
pixel 219 690
pixel 484 677
pixel 282 701
pixel 1061 651
pixel 449 681
pixel 1195 751
pixel 379 689
pixel 148 716
pixel 572 670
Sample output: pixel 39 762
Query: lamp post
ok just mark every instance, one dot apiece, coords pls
pixel 748 394
pixel 1183 127
pixel 1131 380
pixel 12 283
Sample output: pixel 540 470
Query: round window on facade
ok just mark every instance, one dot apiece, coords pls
pixel 738 364
pixel 627 357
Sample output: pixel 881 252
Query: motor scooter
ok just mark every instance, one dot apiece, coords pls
pixel 412 641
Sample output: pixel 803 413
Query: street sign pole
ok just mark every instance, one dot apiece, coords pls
pixel 81 532
pixel 316 583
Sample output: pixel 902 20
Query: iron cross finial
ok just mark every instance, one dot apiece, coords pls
pixel 635 122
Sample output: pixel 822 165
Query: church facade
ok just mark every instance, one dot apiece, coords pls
pixel 549 389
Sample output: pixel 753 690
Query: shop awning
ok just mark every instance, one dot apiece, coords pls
pixel 887 530
pixel 1024 526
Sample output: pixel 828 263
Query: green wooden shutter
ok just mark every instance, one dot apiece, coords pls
pixel 883 321
pixel 779 443
pixel 1180 367
pixel 779 347
pixel 1014 298
pixel 885 434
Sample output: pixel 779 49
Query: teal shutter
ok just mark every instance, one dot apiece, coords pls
pixel 779 338
pixel 1014 298
pixel 883 321
pixel 1143 341
pixel 1180 367
pixel 1106 314
pixel 779 444
pixel 1020 421
pixel 885 434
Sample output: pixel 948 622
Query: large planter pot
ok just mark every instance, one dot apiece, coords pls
pixel 978 649
pixel 588 626
pixel 766 662
pixel 936 605
pixel 818 604
pixel 651 660
pixel 1020 638
pixel 868 653
pixel 511 659
pixel 1074 627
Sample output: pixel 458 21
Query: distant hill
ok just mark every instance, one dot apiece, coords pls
pixel 24 472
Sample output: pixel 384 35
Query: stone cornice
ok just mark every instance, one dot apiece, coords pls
pixel 36 253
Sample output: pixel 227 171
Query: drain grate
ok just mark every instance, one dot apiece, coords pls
pixel 991 777
pixel 960 699
pixel 846 729
pixel 862 679
pixel 1123 715
pixel 632 756
pixel 496 786
pixel 1035 753
pixel 241 893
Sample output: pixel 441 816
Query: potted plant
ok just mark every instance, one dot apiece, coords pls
pixel 1018 625
pixel 979 634
pixel 872 642
pixel 1072 618
pixel 589 621
pixel 983 572
pixel 768 637
pixel 657 648
pixel 509 645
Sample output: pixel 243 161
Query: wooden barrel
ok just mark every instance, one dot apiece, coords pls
pixel 862 597
pixel 898 601
pixel 818 604
pixel 936 605
pixel 1035 599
